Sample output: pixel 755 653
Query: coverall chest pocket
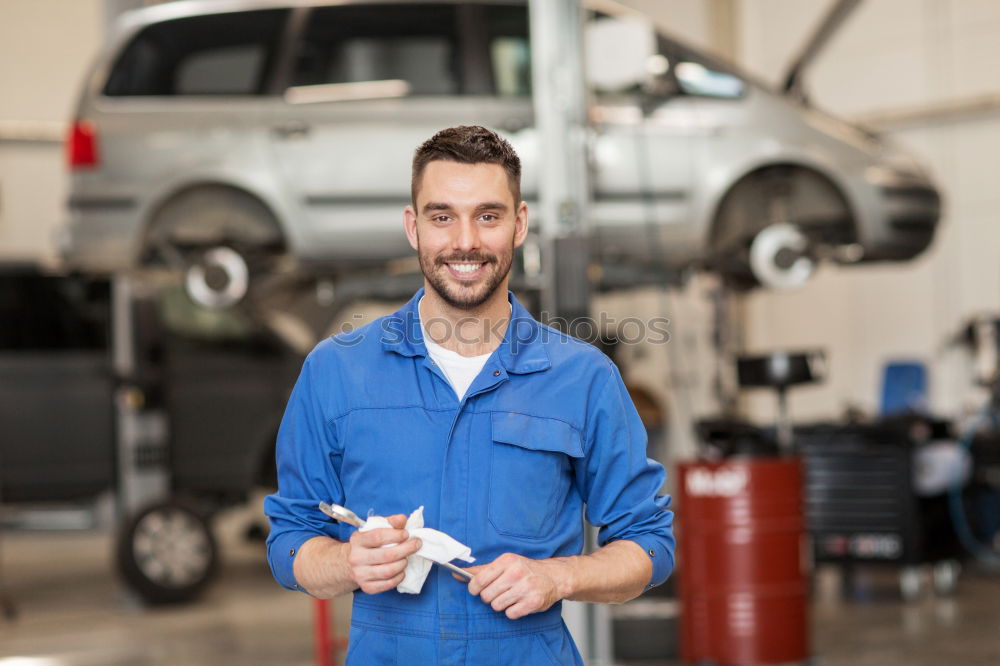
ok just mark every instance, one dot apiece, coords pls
pixel 530 472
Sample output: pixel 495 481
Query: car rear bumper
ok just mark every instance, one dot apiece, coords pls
pixel 100 238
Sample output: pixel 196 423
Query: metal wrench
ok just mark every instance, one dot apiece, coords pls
pixel 345 515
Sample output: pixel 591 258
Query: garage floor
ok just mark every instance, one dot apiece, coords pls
pixel 73 612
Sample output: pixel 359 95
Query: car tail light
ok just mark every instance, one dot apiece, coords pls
pixel 81 145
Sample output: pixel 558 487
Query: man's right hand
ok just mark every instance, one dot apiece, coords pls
pixel 377 566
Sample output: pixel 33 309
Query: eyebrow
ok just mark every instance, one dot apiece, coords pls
pixel 489 205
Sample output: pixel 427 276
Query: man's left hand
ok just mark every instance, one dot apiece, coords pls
pixel 517 585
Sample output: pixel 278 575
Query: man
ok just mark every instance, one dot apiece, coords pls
pixel 503 429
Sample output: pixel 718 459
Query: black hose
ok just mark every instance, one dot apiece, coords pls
pixel 984 554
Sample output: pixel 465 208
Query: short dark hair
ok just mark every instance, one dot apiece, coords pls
pixel 468 144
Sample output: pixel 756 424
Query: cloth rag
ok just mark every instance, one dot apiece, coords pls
pixel 435 546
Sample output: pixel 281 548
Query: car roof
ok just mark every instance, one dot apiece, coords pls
pixel 168 11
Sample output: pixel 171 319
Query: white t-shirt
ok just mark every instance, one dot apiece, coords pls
pixel 460 371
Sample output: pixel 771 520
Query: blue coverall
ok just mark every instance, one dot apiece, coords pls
pixel 545 430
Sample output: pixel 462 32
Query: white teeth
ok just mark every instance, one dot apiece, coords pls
pixel 464 268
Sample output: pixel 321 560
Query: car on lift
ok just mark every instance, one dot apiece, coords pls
pixel 209 396
pixel 237 137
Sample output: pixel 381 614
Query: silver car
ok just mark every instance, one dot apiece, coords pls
pixel 259 132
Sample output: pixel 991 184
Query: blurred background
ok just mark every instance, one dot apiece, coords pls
pixel 774 215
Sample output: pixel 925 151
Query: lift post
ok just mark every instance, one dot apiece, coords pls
pixel 143 470
pixel 560 117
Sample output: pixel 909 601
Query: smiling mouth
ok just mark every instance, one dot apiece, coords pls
pixel 465 270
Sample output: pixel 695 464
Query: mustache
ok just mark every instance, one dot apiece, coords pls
pixel 469 258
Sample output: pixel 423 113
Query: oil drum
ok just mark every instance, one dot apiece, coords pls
pixel 743 561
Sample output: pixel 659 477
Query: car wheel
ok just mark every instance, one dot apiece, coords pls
pixel 784 211
pixel 220 240
pixel 167 553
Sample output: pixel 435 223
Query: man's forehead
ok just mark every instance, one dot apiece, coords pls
pixel 447 181
pixel 452 168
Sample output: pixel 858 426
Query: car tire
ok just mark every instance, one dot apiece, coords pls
pixel 167 553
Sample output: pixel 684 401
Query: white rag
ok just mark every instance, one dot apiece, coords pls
pixel 435 545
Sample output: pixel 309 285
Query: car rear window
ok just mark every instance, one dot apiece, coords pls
pixel 216 54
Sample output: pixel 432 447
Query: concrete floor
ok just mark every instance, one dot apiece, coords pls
pixel 73 612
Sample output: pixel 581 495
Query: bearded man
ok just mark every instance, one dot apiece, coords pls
pixel 506 431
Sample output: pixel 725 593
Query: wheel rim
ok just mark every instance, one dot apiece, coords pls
pixel 219 279
pixel 171 548
pixel 779 259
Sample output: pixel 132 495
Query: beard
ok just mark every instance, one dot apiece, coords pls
pixel 460 295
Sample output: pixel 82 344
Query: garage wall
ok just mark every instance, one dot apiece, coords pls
pixel 892 59
pixel 45 46
pixel 688 19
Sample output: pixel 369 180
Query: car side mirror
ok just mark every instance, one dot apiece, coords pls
pixel 619 53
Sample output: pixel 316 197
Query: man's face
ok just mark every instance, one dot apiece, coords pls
pixel 465 227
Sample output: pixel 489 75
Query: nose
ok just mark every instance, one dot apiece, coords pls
pixel 466 238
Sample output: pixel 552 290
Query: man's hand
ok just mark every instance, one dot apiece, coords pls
pixel 375 568
pixel 518 585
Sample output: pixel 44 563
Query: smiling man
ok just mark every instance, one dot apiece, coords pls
pixel 506 431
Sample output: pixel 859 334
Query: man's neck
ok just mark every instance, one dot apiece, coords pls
pixel 466 332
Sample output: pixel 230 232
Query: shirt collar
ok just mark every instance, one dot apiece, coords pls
pixel 521 351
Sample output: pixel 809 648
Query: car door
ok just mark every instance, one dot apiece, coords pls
pixel 645 154
pixel 368 84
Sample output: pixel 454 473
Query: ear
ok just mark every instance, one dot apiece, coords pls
pixel 521 224
pixel 410 226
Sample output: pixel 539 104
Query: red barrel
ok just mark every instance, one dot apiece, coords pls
pixel 743 561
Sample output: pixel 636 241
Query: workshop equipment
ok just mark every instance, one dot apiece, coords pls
pixel 862 506
pixel 325 643
pixel 743 562
pixel 743 556
pixel 780 371
pixel 167 411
